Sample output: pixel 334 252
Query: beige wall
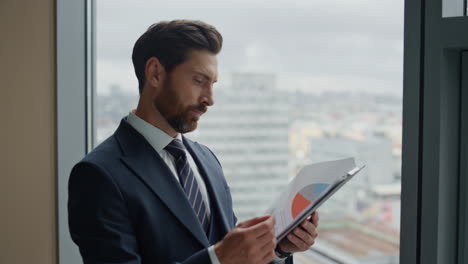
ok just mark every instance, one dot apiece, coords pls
pixel 27 173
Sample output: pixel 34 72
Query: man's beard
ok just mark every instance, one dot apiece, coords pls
pixel 169 107
pixel 180 123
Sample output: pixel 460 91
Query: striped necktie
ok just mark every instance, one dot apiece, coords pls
pixel 188 181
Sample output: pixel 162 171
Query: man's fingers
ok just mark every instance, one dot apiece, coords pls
pixel 262 227
pixel 253 221
pixel 299 243
pixel 266 239
pixel 250 242
pixel 268 246
pixel 309 228
pixel 315 219
pixel 305 236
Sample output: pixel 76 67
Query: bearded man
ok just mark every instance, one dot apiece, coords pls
pixel 148 194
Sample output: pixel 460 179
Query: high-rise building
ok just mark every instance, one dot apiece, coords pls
pixel 247 129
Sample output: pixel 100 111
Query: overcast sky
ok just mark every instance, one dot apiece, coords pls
pixel 310 45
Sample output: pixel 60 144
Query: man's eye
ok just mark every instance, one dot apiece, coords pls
pixel 198 81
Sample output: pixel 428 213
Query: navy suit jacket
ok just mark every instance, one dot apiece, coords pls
pixel 125 206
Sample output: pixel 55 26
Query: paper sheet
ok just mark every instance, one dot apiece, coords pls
pixel 310 184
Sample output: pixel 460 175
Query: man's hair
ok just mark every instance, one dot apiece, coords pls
pixel 171 42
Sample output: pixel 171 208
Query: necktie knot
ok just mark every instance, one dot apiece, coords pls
pixel 176 149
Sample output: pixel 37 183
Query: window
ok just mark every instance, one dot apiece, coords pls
pixel 454 8
pixel 299 83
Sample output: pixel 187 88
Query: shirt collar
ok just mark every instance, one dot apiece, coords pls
pixel 157 138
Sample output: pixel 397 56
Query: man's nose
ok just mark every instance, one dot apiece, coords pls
pixel 208 97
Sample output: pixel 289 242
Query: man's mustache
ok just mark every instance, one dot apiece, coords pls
pixel 201 108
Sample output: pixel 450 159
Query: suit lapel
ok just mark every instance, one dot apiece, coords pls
pixel 213 176
pixel 146 164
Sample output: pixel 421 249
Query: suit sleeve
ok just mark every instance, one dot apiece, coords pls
pixel 99 219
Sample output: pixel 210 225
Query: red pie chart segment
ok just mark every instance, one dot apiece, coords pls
pixel 305 197
pixel 299 204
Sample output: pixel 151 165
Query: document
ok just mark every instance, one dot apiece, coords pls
pixel 311 187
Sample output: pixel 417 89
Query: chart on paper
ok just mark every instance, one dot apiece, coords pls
pixel 306 191
pixel 305 197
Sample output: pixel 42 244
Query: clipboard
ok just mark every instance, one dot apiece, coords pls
pixel 324 197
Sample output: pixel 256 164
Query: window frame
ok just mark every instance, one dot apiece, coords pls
pixel 463 187
pixel 75 79
pixel 431 135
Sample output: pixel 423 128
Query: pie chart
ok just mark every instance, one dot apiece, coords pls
pixel 305 197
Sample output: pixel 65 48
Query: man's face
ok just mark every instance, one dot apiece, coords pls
pixel 188 91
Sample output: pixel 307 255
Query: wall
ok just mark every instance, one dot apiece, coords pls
pixel 27 172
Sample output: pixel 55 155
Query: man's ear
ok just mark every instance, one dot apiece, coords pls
pixel 154 72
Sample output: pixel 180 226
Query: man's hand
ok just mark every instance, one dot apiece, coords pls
pixel 302 237
pixel 251 241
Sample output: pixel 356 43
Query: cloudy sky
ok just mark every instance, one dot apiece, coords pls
pixel 311 45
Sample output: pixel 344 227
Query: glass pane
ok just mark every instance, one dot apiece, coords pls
pixel 453 8
pixel 299 82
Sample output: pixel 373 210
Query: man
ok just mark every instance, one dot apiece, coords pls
pixel 147 194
